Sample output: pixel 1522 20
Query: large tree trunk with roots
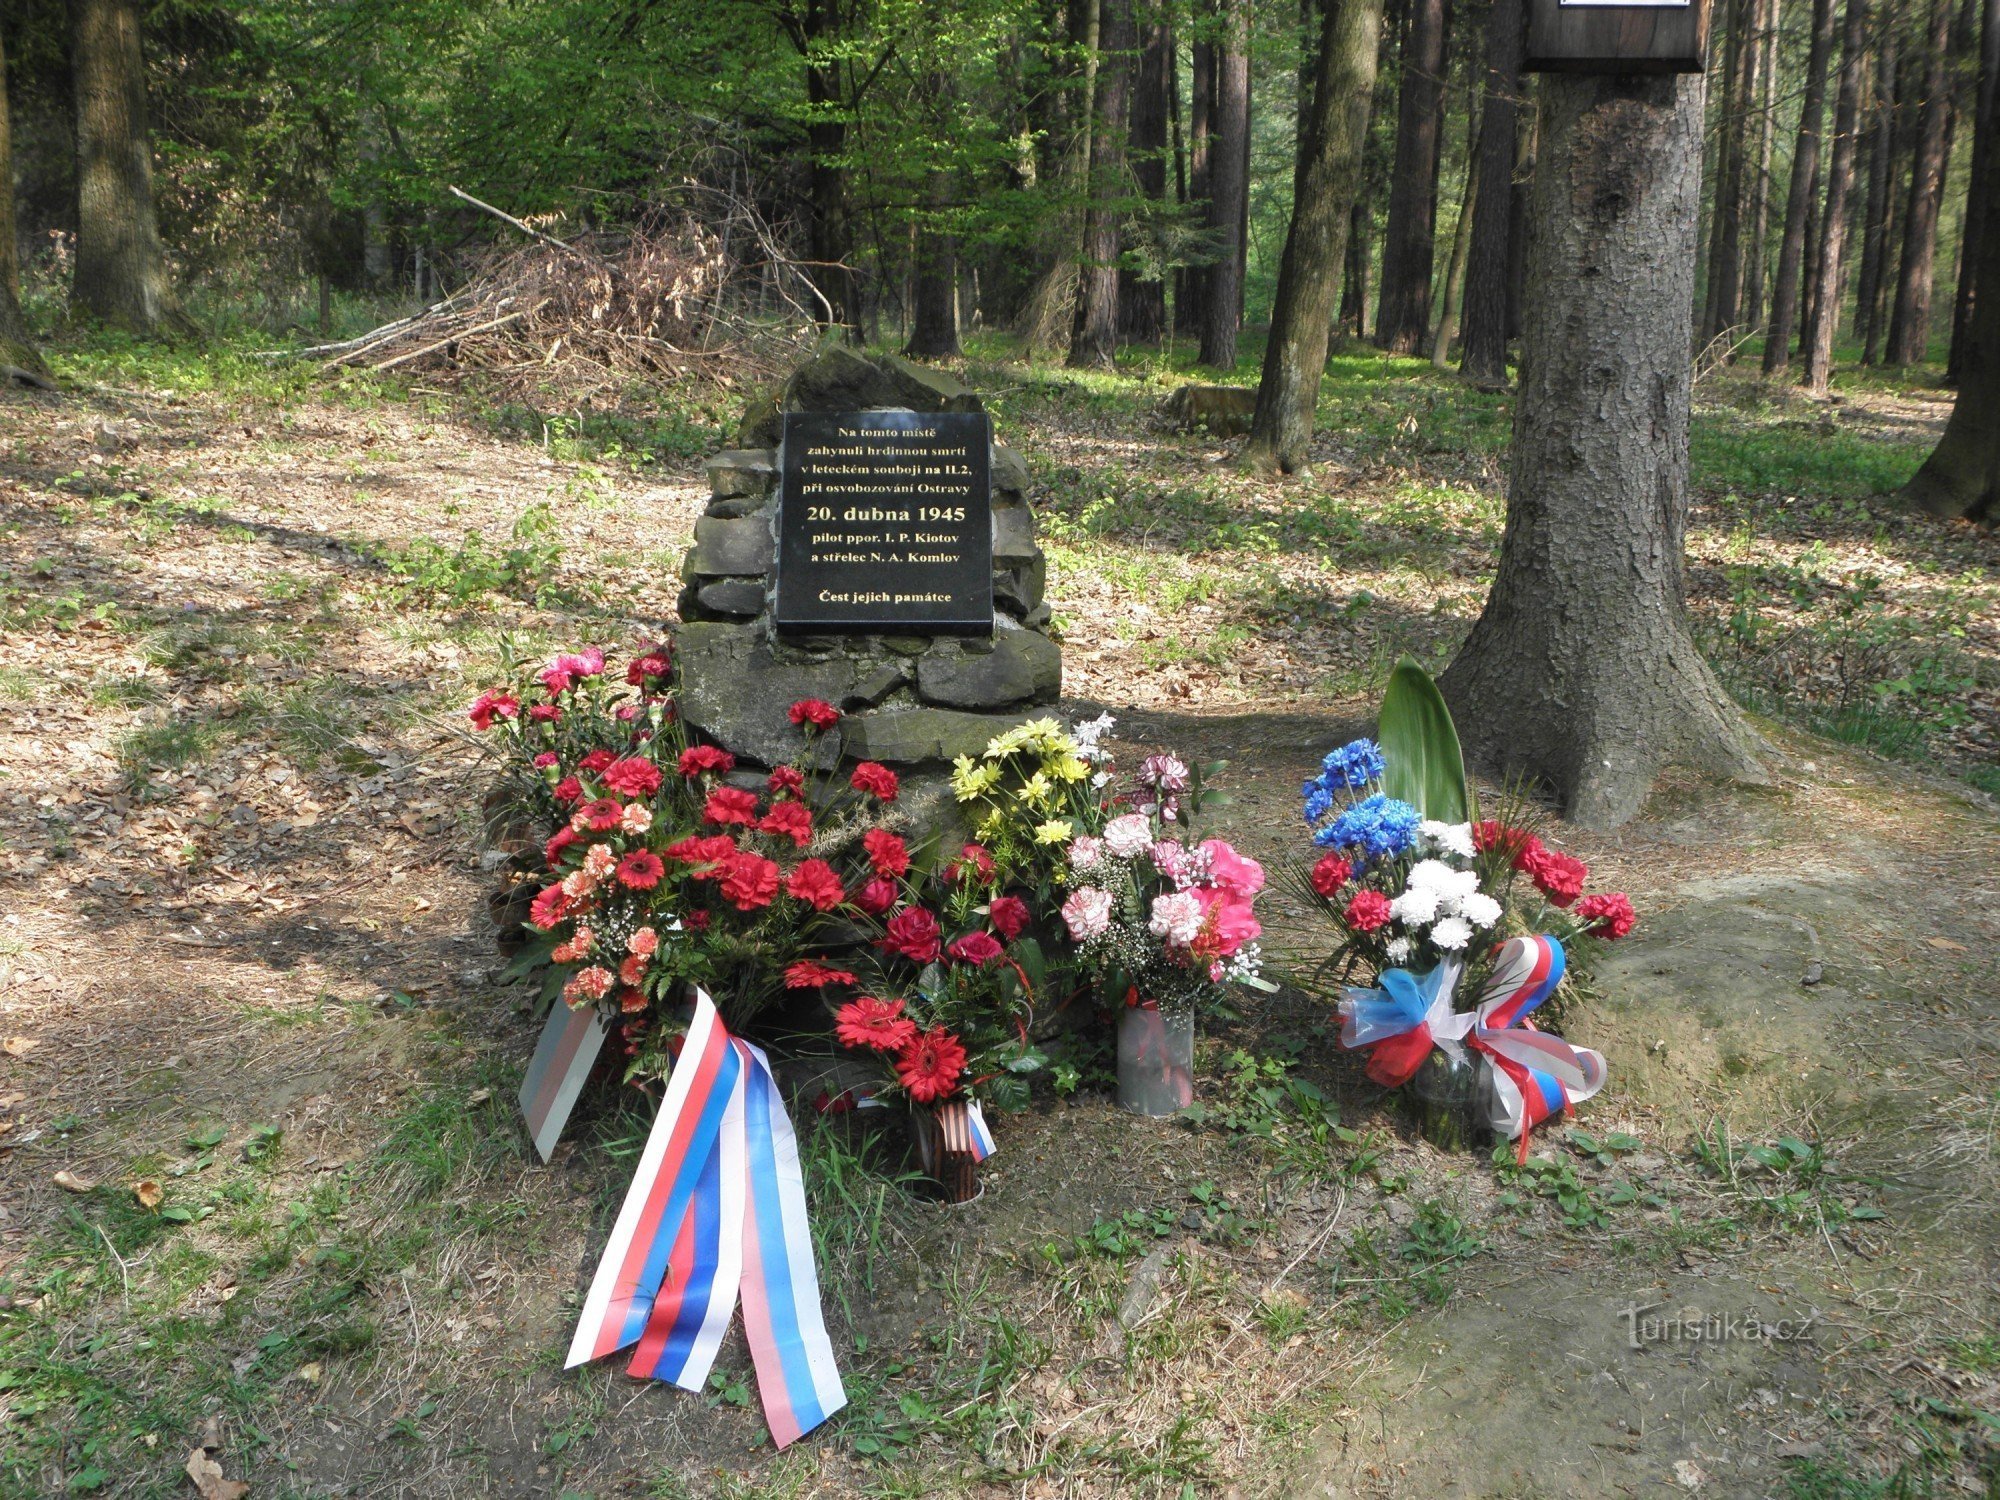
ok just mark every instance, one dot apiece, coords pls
pixel 121 270
pixel 18 357
pixel 1409 238
pixel 1823 317
pixel 1228 189
pixel 1910 322
pixel 1581 672
pixel 1324 188
pixel 1805 179
pixel 1093 340
pixel 1962 475
pixel 1485 359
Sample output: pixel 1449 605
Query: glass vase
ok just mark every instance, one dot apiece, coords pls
pixel 1442 1097
pixel 1155 1058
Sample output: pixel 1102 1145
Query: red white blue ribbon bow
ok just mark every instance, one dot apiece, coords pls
pixel 717 1206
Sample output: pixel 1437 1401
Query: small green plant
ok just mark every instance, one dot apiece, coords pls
pixel 430 573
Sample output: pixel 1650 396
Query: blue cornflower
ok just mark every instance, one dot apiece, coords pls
pixel 1354 764
pixel 1378 828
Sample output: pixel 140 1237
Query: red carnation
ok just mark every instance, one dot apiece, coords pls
pixel 788 820
pixel 653 663
pixel 569 790
pixel 887 853
pixel 913 932
pixel 547 760
pixel 877 780
pixel 976 948
pixel 491 706
pixel 1367 911
pixel 552 851
pixel 600 816
pixel 869 1022
pixel 1610 915
pixel 786 780
pixel 816 712
pixel 809 974
pixel 1516 843
pixel 642 869
pixel 974 860
pixel 631 1001
pixel 749 881
pixel 1010 916
pixel 710 851
pixel 930 1063
pixel 699 919
pixel 545 713
pixel 814 883
pixel 596 761
pixel 1559 876
pixel 549 908
pixel 632 970
pixel 1330 874
pixel 877 896
pixel 634 776
pixel 728 804
pixel 699 758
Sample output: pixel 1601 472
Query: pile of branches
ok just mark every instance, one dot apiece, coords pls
pixel 708 295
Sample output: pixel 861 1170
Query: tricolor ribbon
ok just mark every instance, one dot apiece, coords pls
pixel 570 1042
pixel 717 1206
pixel 1529 1075
pixel 963 1125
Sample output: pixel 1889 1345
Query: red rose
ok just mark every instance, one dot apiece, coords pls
pixel 913 932
pixel 711 851
pixel 1010 916
pixel 634 776
pixel 788 820
pixel 809 974
pixel 786 780
pixel 699 758
pixel 877 896
pixel 1610 915
pixel 600 816
pixel 816 712
pixel 877 780
pixel 728 804
pixel 569 790
pixel 814 883
pixel 1368 911
pixel 887 853
pixel 974 861
pixel 642 869
pixel 1559 876
pixel 491 706
pixel 1330 874
pixel 596 761
pixel 976 948
pixel 930 1063
pixel 749 881
pixel 868 1022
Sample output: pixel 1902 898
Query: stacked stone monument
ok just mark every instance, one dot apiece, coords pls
pixel 911 696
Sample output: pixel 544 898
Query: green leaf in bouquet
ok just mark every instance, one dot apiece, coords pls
pixel 1425 766
pixel 533 955
pixel 1006 1092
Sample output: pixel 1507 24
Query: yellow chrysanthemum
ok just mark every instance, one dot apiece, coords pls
pixel 1071 768
pixel 1003 745
pixel 1055 831
pixel 1037 789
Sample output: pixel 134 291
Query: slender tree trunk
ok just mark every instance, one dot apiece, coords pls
pixel 1485 359
pixel 1823 317
pixel 1353 315
pixel 1327 180
pixel 121 269
pixel 18 357
pixel 1805 174
pixel 1910 323
pixel 1454 275
pixel 1725 268
pixel 1408 251
pixel 934 286
pixel 1229 187
pixel 1191 308
pixel 1094 337
pixel 1881 176
pixel 1975 199
pixel 1142 292
pixel 1764 91
pixel 1962 475
pixel 1581 672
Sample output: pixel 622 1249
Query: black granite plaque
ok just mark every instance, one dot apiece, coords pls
pixel 885 523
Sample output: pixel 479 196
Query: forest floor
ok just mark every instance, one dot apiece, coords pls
pixel 245 954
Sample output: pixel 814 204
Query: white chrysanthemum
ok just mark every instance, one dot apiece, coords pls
pixel 1452 934
pixel 1480 909
pixel 1431 875
pixel 1398 949
pixel 1415 907
pixel 1451 838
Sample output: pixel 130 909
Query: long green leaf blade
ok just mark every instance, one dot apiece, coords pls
pixel 1425 765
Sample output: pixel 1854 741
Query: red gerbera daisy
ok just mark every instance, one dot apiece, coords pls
pixel 877 780
pixel 815 883
pixel 930 1063
pixel 600 816
pixel 810 974
pixel 549 908
pixel 789 820
pixel 728 804
pixel 869 1022
pixel 642 869
pixel 887 853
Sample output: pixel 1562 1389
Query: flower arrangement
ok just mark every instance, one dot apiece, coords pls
pixel 1035 789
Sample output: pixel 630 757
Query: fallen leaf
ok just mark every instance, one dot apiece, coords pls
pixel 1947 944
pixel 149 1194
pixel 479 1096
pixel 309 1373
pixel 69 1182
pixel 19 1046
pixel 208 1481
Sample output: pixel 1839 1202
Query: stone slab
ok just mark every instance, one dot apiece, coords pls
pixel 737 547
pixel 1020 667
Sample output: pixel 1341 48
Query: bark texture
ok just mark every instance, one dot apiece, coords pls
pixel 934 282
pixel 18 357
pixel 1228 189
pixel 1324 189
pixel 1722 304
pixel 1452 301
pixel 1142 294
pixel 1094 336
pixel 1823 318
pixel 1975 202
pixel 1580 672
pixel 1910 323
pixel 1408 239
pixel 1485 358
pixel 1798 202
pixel 1878 215
pixel 121 269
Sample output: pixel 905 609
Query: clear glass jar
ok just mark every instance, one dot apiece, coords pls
pixel 1155 1058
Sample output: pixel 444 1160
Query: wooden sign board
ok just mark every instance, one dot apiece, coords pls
pixel 1617 36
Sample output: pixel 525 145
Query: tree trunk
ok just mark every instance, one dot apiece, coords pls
pixel 1323 193
pixel 18 357
pixel 1910 323
pixel 1403 313
pixel 1517 208
pixel 1094 336
pixel 1962 475
pixel 934 284
pixel 1805 175
pixel 1228 189
pixel 1580 672
pixel 1876 220
pixel 1983 146
pixel 1725 268
pixel 1823 317
pixel 1485 358
pixel 1353 315
pixel 121 270
pixel 1142 291
pixel 1764 91
pixel 1454 274
pixel 1191 304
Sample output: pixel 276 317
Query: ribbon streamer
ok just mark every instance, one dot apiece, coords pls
pixel 963 1125
pixel 717 1207
pixel 570 1042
